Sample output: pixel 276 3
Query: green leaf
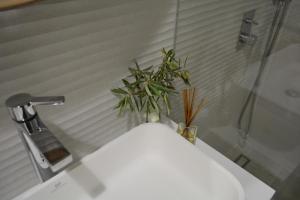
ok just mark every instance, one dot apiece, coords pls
pixel 118 91
pixel 126 83
pixel 154 105
pixel 174 66
pixel 125 102
pixel 185 75
pixel 137 64
pixel 147 90
pixel 131 106
pixel 136 84
pixel 134 72
pixel 171 53
pixel 164 51
pixel 143 103
pixel 167 103
pixel 118 105
pixel 184 65
pixel 163 88
pixel 154 90
pixel 122 101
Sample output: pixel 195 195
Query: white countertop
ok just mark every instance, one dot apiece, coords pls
pixel 254 188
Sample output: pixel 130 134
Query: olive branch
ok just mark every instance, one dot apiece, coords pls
pixel 147 90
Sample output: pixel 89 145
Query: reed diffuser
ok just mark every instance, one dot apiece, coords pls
pixel 191 110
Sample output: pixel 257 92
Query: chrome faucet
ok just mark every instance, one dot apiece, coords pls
pixel 47 154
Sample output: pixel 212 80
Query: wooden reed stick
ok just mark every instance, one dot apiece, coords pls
pixel 199 108
pixel 185 104
pixel 189 97
pixel 192 102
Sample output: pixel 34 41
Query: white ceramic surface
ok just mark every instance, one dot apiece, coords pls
pixel 149 162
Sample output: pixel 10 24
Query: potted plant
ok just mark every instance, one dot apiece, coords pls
pixel 148 90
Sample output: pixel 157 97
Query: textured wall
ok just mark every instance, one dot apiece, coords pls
pixel 78 49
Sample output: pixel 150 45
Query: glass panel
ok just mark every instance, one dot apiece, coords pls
pixel 261 134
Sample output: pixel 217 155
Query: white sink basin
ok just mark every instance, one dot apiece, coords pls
pixel 150 162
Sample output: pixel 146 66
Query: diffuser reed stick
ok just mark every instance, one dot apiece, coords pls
pixel 189 96
pixel 191 110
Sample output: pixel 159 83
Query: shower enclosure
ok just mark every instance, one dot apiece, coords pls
pixel 253 116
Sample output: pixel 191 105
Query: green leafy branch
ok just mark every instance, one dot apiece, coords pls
pixel 146 90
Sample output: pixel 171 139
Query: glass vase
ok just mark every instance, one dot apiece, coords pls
pixel 189 133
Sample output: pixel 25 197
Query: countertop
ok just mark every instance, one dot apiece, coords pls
pixel 254 188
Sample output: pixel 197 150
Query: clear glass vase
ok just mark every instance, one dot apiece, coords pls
pixel 189 133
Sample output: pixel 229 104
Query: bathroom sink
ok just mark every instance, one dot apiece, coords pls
pixel 149 162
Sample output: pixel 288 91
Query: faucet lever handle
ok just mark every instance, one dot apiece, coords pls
pixel 50 100
pixel 21 106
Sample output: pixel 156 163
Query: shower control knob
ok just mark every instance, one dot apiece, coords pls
pixel 250 21
pixel 247 39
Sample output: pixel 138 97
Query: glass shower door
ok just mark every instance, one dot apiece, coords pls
pixel 269 145
pixel 268 124
pixel 275 128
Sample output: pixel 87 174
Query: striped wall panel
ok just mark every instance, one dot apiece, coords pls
pixel 79 49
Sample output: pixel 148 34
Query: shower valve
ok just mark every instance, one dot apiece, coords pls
pixel 247 39
pixel 245 36
pixel 250 21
